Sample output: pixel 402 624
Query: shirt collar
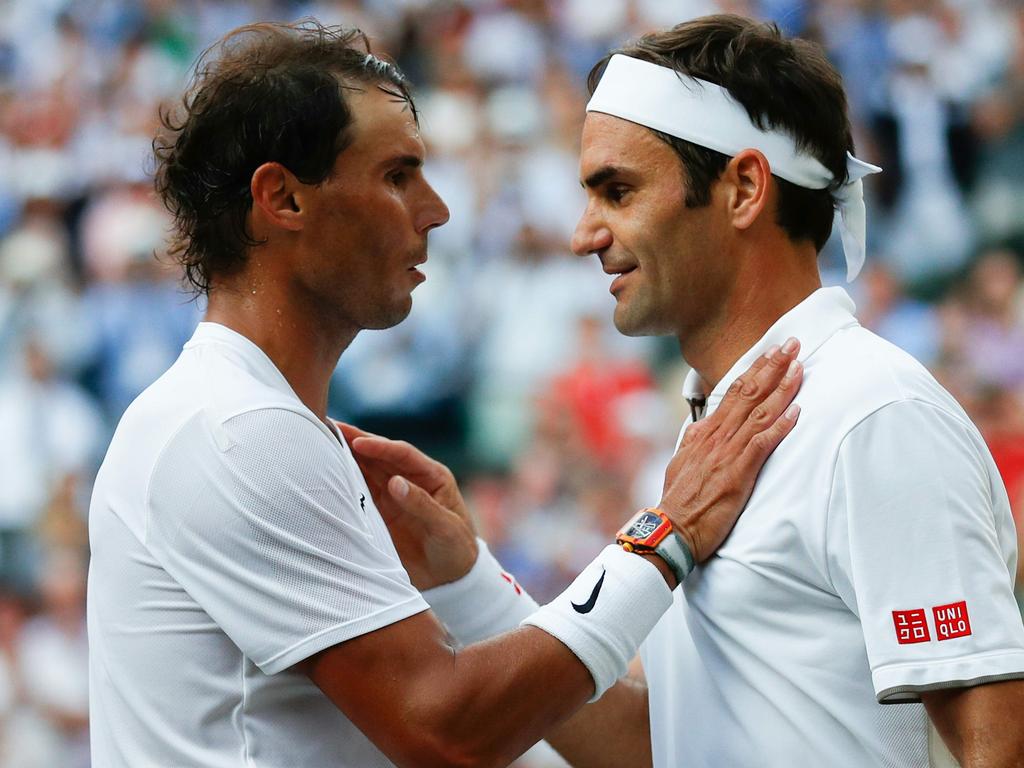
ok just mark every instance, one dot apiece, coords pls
pixel 255 358
pixel 813 321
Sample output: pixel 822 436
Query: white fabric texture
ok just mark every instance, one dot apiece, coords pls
pixel 232 536
pixel 883 498
pixel 911 526
pixel 632 596
pixel 707 115
pixel 484 603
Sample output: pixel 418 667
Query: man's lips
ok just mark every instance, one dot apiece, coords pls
pixel 617 269
pixel 621 273
pixel 419 276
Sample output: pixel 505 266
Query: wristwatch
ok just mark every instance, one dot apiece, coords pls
pixel 650 530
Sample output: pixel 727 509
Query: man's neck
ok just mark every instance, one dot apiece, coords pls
pixel 296 341
pixel 745 316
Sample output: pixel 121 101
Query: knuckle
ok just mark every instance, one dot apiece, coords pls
pixel 761 442
pixel 694 432
pixel 760 417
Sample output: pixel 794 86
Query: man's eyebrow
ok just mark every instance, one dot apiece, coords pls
pixel 600 176
pixel 406 161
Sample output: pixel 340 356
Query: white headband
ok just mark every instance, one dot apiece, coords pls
pixel 707 114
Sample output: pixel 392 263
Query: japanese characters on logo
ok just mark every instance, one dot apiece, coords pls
pixel 911 626
pixel 950 621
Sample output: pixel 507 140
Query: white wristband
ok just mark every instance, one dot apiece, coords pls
pixel 607 612
pixel 485 602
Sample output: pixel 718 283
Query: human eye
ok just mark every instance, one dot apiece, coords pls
pixel 398 177
pixel 616 193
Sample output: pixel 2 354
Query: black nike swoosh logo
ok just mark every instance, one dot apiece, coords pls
pixel 588 606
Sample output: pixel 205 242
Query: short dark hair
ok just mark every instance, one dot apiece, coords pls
pixel 784 83
pixel 262 93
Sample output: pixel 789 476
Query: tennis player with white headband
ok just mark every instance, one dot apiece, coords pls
pixel 707 115
pixel 874 562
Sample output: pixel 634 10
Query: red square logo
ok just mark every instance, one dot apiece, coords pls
pixel 952 620
pixel 911 626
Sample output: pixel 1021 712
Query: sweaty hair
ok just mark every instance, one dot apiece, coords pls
pixel 262 93
pixel 785 84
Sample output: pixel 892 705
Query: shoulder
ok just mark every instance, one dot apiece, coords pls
pixel 205 412
pixel 856 374
pixel 207 390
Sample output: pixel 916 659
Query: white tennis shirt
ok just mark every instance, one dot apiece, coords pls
pixel 874 561
pixel 232 536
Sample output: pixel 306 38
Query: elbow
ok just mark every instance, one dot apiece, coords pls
pixel 439 737
pixel 438 752
pixel 451 756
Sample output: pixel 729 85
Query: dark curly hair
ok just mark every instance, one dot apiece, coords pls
pixel 262 93
pixel 783 83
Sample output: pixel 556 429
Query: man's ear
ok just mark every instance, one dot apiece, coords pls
pixel 274 196
pixel 749 176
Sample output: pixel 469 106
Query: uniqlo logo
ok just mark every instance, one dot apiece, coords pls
pixel 952 620
pixel 911 626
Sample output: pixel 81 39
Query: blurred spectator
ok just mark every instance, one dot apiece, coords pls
pixel 927 148
pixel 37 293
pixel 999 123
pixel 589 394
pixel 51 432
pixel 999 414
pixel 884 307
pixel 139 312
pixel 54 658
pixel 990 342
pixel 509 367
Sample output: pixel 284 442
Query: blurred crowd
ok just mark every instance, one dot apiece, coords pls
pixel 509 368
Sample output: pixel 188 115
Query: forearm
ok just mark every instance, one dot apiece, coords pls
pixel 425 703
pixel 434 705
pixel 612 732
pixel 502 696
pixel 602 623
pixel 981 724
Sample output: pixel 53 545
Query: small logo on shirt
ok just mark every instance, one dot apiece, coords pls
pixel 362 501
pixel 951 621
pixel 911 626
pixel 508 577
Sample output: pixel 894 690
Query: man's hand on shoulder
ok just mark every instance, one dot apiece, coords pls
pixel 712 475
pixel 421 504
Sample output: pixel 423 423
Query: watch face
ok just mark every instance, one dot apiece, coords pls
pixel 644 526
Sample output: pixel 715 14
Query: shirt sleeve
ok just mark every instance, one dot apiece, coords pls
pixel 921 546
pixel 258 521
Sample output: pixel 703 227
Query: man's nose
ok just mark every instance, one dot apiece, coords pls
pixel 590 236
pixel 434 212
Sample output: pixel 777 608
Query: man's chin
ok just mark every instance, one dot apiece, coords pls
pixel 638 327
pixel 629 325
pixel 391 316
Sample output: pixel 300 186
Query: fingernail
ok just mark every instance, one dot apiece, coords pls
pixel 791 371
pixel 792 412
pixel 772 351
pixel 790 346
pixel 399 487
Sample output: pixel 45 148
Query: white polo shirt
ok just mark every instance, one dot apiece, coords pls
pixel 232 536
pixel 875 560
